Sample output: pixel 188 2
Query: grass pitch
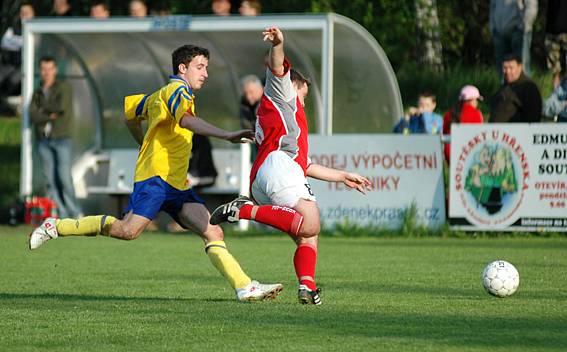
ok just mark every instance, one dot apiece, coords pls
pixel 160 293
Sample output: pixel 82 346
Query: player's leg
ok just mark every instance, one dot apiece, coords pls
pixel 144 204
pixel 305 257
pixel 195 217
pixel 128 228
pixel 278 186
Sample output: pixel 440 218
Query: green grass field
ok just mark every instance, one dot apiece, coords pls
pixel 160 293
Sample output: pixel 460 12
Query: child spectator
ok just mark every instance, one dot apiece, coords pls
pixel 423 119
pixel 465 110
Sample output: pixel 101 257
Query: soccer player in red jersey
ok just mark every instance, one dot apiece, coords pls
pixel 282 197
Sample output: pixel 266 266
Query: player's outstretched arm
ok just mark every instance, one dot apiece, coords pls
pixel 275 36
pixel 135 128
pixel 202 127
pixel 352 180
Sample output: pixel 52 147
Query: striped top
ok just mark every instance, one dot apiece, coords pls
pixel 167 146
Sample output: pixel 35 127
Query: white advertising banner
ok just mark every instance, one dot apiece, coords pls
pixel 404 170
pixel 509 177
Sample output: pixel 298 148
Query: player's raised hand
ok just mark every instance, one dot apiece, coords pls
pixel 360 183
pixel 273 35
pixel 241 136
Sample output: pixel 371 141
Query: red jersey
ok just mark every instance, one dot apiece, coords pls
pixel 281 123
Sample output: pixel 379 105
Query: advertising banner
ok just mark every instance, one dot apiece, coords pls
pixel 508 177
pixel 404 171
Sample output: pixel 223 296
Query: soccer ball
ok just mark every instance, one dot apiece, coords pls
pixel 500 278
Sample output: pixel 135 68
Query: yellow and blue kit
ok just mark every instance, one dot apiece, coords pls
pixel 160 180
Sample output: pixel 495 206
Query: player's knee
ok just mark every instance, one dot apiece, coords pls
pixel 213 233
pixel 309 230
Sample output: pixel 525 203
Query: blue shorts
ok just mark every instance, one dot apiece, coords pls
pixel 154 194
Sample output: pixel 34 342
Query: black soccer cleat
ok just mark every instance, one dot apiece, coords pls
pixel 229 212
pixel 307 296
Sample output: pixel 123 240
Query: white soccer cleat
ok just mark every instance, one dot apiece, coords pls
pixel 256 291
pixel 46 231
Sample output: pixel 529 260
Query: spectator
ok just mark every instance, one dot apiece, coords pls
pixel 11 44
pixel 556 105
pixel 138 8
pixel 511 23
pixel 465 110
pixel 556 38
pixel 252 91
pixel 50 112
pixel 100 10
pixel 250 8
pixel 61 8
pixel 423 119
pixel 518 100
pixel 432 121
pixel 411 122
pixel 221 7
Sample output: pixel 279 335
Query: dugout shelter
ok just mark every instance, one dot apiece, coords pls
pixel 354 89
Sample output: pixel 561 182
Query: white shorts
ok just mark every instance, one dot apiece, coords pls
pixel 280 181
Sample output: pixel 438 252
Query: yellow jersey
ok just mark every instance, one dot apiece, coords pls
pixel 166 149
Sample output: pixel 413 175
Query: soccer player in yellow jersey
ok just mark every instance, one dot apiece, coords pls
pixel 160 181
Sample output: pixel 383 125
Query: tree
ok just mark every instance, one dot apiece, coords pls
pixel 428 34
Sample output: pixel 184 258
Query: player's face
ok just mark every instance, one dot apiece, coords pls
pixel 196 72
pixel 302 92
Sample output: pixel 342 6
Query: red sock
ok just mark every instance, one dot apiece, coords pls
pixel 305 261
pixel 282 218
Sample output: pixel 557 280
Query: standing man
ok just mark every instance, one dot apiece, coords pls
pixel 160 181
pixel 51 112
pixel 511 23
pixel 278 175
pixel 518 99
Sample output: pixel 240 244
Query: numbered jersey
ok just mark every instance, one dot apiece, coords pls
pixel 281 123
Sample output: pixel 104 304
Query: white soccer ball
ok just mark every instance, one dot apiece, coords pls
pixel 500 278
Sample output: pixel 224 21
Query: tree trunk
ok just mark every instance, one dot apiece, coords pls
pixel 428 34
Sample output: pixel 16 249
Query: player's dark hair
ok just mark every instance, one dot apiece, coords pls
pixel 428 94
pixel 512 57
pixel 184 55
pixel 47 59
pixel 297 78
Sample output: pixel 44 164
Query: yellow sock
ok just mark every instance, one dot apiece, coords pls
pixel 87 226
pixel 226 264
